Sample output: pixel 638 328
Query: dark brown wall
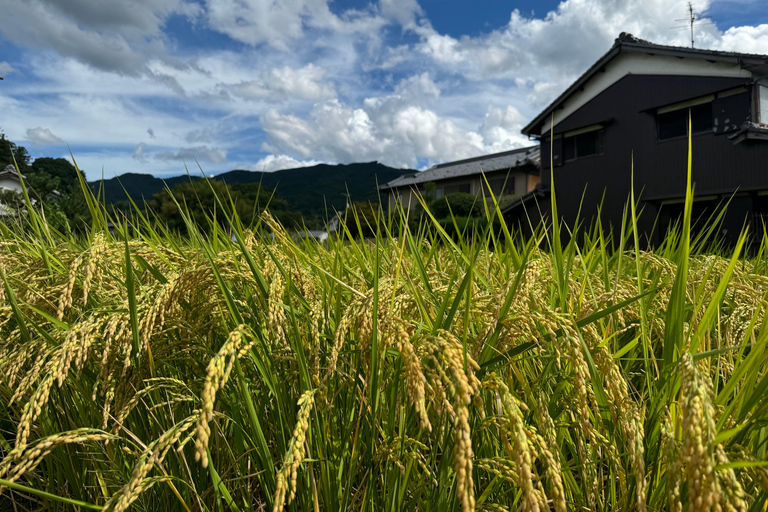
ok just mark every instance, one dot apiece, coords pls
pixel 659 166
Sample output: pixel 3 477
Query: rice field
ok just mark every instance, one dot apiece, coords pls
pixel 146 371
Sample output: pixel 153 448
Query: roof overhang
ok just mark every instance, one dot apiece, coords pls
pixel 757 65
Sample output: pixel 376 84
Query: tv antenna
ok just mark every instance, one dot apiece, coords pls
pixel 693 19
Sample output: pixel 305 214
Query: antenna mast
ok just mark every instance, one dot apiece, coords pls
pixel 693 20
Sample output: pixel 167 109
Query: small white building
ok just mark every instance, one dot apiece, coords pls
pixel 9 179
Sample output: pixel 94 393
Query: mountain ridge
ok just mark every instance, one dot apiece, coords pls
pixel 313 190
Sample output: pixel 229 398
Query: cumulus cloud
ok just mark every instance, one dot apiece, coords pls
pixel 42 137
pixel 268 21
pixel 746 39
pixel 562 44
pixel 388 129
pixel 279 84
pixel 271 163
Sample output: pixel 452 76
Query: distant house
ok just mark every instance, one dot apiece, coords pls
pixel 319 235
pixel 9 179
pixel 631 108
pixel 510 174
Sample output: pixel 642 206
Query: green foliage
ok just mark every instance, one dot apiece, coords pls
pixel 414 370
pixel 361 220
pixel 316 192
pixel 58 173
pixel 464 227
pixel 199 201
pixel 458 205
pixel 9 150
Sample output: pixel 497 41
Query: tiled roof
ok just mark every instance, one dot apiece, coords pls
pixel 470 166
pixel 9 172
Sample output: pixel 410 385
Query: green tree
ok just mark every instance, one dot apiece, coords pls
pixel 198 198
pixel 362 219
pixel 459 204
pixel 56 169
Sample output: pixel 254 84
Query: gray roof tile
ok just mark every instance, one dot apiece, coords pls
pixel 470 166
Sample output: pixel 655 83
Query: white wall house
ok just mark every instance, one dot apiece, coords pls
pixel 510 174
pixel 9 180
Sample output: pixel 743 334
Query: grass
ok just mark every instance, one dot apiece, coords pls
pixel 414 371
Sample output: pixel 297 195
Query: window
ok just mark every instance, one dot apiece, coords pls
pixel 675 124
pixel 762 91
pixel 438 193
pixel 501 186
pixel 455 189
pixel 583 144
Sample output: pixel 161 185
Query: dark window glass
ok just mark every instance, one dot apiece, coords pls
pixel 569 148
pixel 675 124
pixel 584 144
pixel 502 186
pixel 454 189
pixel 701 118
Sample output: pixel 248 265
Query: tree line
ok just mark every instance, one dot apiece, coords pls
pixel 53 186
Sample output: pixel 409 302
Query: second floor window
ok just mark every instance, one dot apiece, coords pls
pixel 583 144
pixel 675 124
pixel 501 186
pixel 762 92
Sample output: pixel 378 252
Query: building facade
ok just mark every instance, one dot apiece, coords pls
pixel 508 175
pixel 628 116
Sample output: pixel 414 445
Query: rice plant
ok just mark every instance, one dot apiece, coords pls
pixel 142 370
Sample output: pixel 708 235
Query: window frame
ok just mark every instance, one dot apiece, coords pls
pixel 683 111
pixel 573 136
pixel 762 101
pixel 500 186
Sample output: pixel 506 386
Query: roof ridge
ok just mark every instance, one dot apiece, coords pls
pixel 483 157
pixel 625 38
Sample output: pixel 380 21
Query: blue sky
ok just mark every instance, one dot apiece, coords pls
pixel 149 85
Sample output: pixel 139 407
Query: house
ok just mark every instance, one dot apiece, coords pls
pixel 628 113
pixel 9 179
pixel 510 174
pixel 319 235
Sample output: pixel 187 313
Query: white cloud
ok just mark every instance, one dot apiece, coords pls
pixel 559 46
pixel 280 84
pixel 115 36
pixel 140 153
pixel 5 68
pixel 501 127
pixel 746 39
pixel 213 155
pixel 271 163
pixel 275 22
pixel 199 153
pixel 407 13
pixel 42 137
pixel 389 129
